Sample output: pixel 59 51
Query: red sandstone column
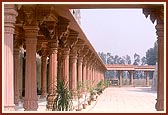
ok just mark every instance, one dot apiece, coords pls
pixel 90 75
pixel 94 81
pixel 80 60
pixel 59 77
pixel 73 71
pixel 52 74
pixel 65 57
pixel 160 89
pixel 43 76
pixel 87 74
pixel 84 79
pixel 16 74
pixel 147 78
pixel 131 77
pixel 30 101
pixel 120 74
pixel 9 20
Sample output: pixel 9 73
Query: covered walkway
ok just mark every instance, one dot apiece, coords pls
pixel 126 99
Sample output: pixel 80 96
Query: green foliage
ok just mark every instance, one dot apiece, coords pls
pixel 136 59
pixel 152 55
pixel 63 101
pixel 99 86
pixel 106 83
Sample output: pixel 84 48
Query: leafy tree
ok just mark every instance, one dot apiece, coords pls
pixel 143 60
pixel 152 55
pixel 127 59
pixel 136 59
pixel 103 57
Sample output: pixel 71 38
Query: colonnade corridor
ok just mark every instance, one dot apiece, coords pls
pixel 126 99
pixel 52 32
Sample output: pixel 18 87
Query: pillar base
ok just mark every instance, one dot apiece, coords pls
pixel 131 85
pixel 159 106
pixel 16 101
pixel 43 96
pixel 50 102
pixel 30 105
pixel 9 108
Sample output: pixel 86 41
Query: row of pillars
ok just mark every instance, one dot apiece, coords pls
pixel 63 64
pixel 131 78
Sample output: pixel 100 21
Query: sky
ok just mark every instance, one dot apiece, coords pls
pixel 118 31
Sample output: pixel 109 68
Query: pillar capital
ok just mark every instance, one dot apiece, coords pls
pixel 29 15
pixel 80 59
pixel 72 38
pixel 63 25
pixel 65 51
pixel 156 13
pixel 48 29
pixel 31 33
pixel 10 14
pixel 73 56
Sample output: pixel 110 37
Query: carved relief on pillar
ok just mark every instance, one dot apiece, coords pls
pixel 72 38
pixel 49 29
pixel 63 25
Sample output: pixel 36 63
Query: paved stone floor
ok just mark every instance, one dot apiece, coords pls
pixel 126 100
pixel 117 100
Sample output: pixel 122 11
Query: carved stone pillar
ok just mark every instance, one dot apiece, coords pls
pixel 84 79
pixel 147 78
pixel 120 77
pixel 65 62
pixel 16 74
pixel 93 69
pixel 43 76
pixel 73 71
pixel 30 101
pixel 157 13
pixel 9 19
pixel 59 77
pixel 52 74
pixel 87 74
pixel 80 60
pixel 160 89
pixel 131 77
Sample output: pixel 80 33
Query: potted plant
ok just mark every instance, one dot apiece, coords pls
pixel 85 94
pixel 99 87
pixel 90 90
pixel 63 100
pixel 79 91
